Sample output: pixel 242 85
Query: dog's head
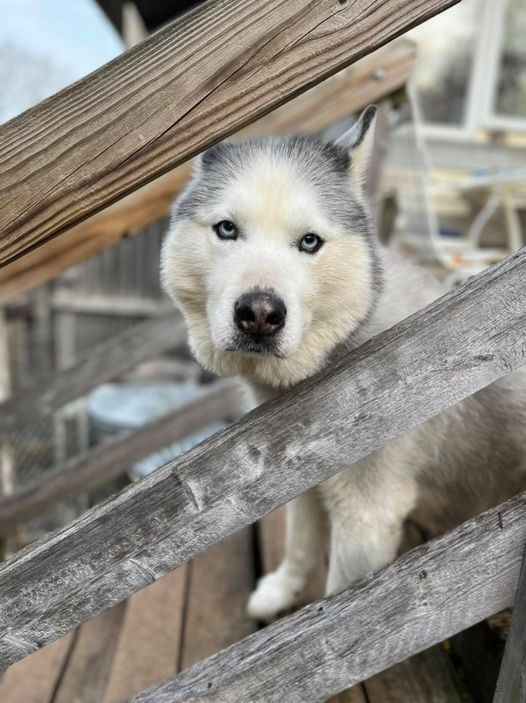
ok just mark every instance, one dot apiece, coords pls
pixel 271 256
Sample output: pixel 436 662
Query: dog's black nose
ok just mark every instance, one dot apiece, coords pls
pixel 259 313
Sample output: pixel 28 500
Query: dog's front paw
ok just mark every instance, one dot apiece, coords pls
pixel 274 593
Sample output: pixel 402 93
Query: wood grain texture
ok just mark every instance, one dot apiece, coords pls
pixel 150 639
pixel 203 77
pixel 373 395
pixel 126 218
pixel 86 673
pixel 121 353
pixel 426 677
pixel 511 684
pixel 220 582
pixel 352 89
pixel 368 81
pixel 422 598
pixel 105 463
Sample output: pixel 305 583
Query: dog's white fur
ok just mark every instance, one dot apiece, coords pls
pixel 454 466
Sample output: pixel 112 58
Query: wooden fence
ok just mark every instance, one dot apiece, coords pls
pixel 396 381
pixel 380 76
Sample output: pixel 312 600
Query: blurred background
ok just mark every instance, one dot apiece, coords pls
pixel 447 186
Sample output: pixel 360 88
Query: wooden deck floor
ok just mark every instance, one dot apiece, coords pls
pixel 188 615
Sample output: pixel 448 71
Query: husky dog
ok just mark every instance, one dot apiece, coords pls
pixel 272 258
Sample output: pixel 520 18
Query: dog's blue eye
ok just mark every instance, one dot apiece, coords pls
pixel 226 230
pixel 310 243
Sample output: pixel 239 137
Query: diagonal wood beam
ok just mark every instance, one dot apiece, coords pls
pixel 205 76
pixel 350 90
pixel 428 595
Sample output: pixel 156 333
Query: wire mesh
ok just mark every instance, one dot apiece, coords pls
pixel 57 325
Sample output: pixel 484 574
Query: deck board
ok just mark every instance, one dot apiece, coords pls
pixel 89 665
pixel 220 582
pixel 149 642
pixel 34 679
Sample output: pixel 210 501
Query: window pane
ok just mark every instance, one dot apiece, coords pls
pixel 446 46
pixel 510 96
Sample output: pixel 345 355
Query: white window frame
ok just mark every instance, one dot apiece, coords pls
pixel 494 29
pixel 480 114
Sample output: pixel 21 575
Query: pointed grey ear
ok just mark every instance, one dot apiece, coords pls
pixel 358 141
pixel 210 156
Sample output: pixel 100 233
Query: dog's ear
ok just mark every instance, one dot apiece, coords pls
pixel 358 142
pixel 210 156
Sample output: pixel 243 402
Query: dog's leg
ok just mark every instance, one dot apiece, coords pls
pixel 359 547
pixel 282 588
pixel 367 508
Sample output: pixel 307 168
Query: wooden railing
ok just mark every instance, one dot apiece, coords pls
pixel 396 381
pixel 110 359
pixel 203 77
pixel 370 80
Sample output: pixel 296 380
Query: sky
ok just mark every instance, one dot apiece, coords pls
pixel 47 44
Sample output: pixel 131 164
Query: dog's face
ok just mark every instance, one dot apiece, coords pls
pixel 270 254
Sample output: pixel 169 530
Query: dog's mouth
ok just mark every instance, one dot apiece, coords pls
pixel 256 345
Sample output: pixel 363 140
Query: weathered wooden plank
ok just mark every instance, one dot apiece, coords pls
pixel 428 676
pixel 376 393
pixel 121 353
pixel 149 644
pixel 352 89
pixel 125 218
pixel 203 77
pixel 88 667
pixel 368 81
pixel 220 583
pixel 221 401
pixel 511 684
pixel 34 680
pixel 422 598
